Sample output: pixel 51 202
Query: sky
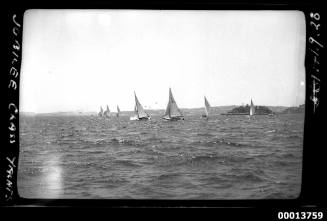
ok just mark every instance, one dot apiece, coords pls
pixel 79 60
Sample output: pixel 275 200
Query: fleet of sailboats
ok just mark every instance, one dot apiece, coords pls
pixel 172 111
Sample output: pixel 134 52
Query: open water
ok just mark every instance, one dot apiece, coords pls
pixel 225 157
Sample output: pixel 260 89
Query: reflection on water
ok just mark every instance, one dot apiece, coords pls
pixel 46 175
pixel 53 176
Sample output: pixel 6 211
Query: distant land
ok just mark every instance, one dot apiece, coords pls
pixel 214 110
pixel 259 110
pixel 294 110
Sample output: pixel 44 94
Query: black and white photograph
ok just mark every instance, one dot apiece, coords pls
pixel 161 104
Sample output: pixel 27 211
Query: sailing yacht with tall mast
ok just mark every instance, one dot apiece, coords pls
pixel 252 109
pixel 100 114
pixel 118 111
pixel 206 108
pixel 139 112
pixel 172 111
pixel 107 112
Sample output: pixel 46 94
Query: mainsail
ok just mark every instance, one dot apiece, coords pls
pixel 206 107
pixel 100 114
pixel 118 111
pixel 107 112
pixel 139 111
pixel 252 108
pixel 172 110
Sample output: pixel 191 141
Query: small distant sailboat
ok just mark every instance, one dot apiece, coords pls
pixel 252 108
pixel 139 112
pixel 118 111
pixel 172 111
pixel 206 108
pixel 107 112
pixel 100 114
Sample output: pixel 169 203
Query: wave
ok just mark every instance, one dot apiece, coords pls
pixel 115 141
pixel 217 181
pixel 283 163
pixel 31 172
pixel 280 195
pixel 270 131
pixel 205 134
pixel 186 160
pixel 245 177
pixel 168 176
pixel 295 136
pixel 288 156
pixel 219 141
pixel 126 141
pixel 206 158
pixel 127 163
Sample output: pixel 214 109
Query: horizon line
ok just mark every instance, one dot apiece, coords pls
pixel 150 109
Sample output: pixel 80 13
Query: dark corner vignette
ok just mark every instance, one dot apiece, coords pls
pixel 313 182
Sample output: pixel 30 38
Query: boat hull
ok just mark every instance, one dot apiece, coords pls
pixel 136 118
pixel 145 118
pixel 133 118
pixel 173 118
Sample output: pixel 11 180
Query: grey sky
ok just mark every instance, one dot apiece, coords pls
pixel 81 59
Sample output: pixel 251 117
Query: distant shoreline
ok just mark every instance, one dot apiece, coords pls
pixel 221 110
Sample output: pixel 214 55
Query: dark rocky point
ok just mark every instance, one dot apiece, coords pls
pixel 245 110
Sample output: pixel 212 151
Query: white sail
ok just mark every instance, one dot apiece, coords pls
pixel 107 112
pixel 206 107
pixel 100 114
pixel 252 109
pixel 172 110
pixel 139 112
pixel 118 111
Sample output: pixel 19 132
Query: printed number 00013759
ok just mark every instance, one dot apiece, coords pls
pixel 300 215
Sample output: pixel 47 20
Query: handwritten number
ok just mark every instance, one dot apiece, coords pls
pixel 315 16
pixel 16 46
pixel 315 25
pixel 312 40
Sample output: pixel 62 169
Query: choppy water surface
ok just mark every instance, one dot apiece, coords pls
pixel 225 157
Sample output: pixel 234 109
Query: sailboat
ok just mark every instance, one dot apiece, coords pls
pixel 118 111
pixel 107 112
pixel 172 111
pixel 206 108
pixel 100 114
pixel 252 108
pixel 139 112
